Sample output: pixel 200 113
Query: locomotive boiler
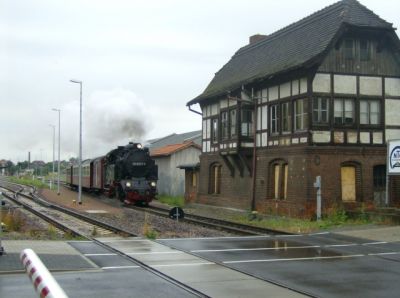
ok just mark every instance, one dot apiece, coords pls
pixel 127 173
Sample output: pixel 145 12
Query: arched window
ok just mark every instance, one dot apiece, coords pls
pixel 215 179
pixel 279 171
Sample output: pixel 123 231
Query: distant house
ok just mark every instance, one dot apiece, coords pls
pixel 171 179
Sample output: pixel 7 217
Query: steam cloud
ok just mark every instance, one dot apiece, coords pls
pixel 110 118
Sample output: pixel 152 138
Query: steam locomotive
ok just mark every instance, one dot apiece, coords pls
pixel 127 173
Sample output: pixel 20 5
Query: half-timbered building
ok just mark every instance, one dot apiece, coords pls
pixel 320 97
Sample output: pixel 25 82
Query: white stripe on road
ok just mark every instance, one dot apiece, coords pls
pixel 272 248
pixel 120 267
pixel 215 238
pixel 292 259
pixel 95 255
pixel 254 249
pixel 375 243
pixel 155 253
pixel 184 264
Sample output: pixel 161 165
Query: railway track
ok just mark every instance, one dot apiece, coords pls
pixel 222 225
pixel 80 225
pixel 64 219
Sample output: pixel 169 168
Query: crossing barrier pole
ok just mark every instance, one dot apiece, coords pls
pixel 43 282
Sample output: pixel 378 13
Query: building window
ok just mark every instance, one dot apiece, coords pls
pixel 232 123
pixel 348 49
pixel 344 111
pixel 247 123
pixel 215 179
pixel 280 171
pixel 365 50
pixel 348 183
pixel 370 112
pixel 214 130
pixel 286 117
pixel 321 110
pixel 224 125
pixel 380 177
pixel 274 119
pixel 194 179
pixel 301 114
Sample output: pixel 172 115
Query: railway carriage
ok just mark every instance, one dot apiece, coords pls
pixel 127 172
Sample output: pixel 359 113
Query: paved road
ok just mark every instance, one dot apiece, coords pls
pixel 322 265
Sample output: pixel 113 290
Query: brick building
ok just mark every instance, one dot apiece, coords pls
pixel 319 97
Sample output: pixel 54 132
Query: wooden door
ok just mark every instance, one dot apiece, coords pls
pixel 348 179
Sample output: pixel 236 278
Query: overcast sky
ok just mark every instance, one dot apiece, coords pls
pixel 140 62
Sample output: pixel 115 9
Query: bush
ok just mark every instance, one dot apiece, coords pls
pixel 13 222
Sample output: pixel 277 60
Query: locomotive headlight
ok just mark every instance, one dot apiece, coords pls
pixel 153 183
pixel 128 184
pixel 139 146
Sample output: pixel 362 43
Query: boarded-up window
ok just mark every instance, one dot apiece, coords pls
pixel 348 182
pixel 280 171
pixel 215 179
pixel 194 179
pixel 276 181
pixel 285 180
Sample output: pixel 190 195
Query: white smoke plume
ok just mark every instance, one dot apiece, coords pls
pixel 110 118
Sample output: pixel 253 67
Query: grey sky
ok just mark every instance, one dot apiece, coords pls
pixel 140 62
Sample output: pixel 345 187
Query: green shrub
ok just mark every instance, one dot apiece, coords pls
pixel 172 201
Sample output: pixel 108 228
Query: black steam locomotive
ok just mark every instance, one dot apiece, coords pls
pixel 127 173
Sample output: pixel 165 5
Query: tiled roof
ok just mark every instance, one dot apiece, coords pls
pixel 292 47
pixel 170 149
pixel 174 138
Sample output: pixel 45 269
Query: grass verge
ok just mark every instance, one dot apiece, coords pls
pixel 172 201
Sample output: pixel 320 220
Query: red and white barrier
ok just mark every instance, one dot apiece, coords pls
pixel 44 283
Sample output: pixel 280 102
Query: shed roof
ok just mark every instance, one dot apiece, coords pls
pixel 173 148
pixel 292 47
pixel 174 138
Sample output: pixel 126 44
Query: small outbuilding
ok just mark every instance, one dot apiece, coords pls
pixel 171 179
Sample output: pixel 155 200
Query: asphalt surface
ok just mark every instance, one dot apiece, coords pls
pixel 320 265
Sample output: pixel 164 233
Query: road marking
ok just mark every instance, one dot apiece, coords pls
pixel 95 255
pixel 155 252
pixel 385 253
pixel 124 240
pixel 215 238
pixel 120 267
pixel 292 259
pixel 320 233
pixel 272 248
pixel 184 264
pixel 254 249
pixel 375 243
pixel 340 245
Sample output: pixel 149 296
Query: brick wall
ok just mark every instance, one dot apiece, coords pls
pixel 304 164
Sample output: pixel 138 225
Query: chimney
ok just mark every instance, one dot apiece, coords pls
pixel 256 38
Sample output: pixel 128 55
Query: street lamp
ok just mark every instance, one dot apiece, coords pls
pixel 80 141
pixel 54 149
pixel 59 130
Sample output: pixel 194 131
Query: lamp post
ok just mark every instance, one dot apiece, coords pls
pixel 80 141
pixel 54 149
pixel 59 130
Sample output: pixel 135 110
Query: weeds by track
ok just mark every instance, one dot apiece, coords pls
pixel 213 223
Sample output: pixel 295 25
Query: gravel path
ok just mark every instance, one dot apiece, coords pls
pixel 137 222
